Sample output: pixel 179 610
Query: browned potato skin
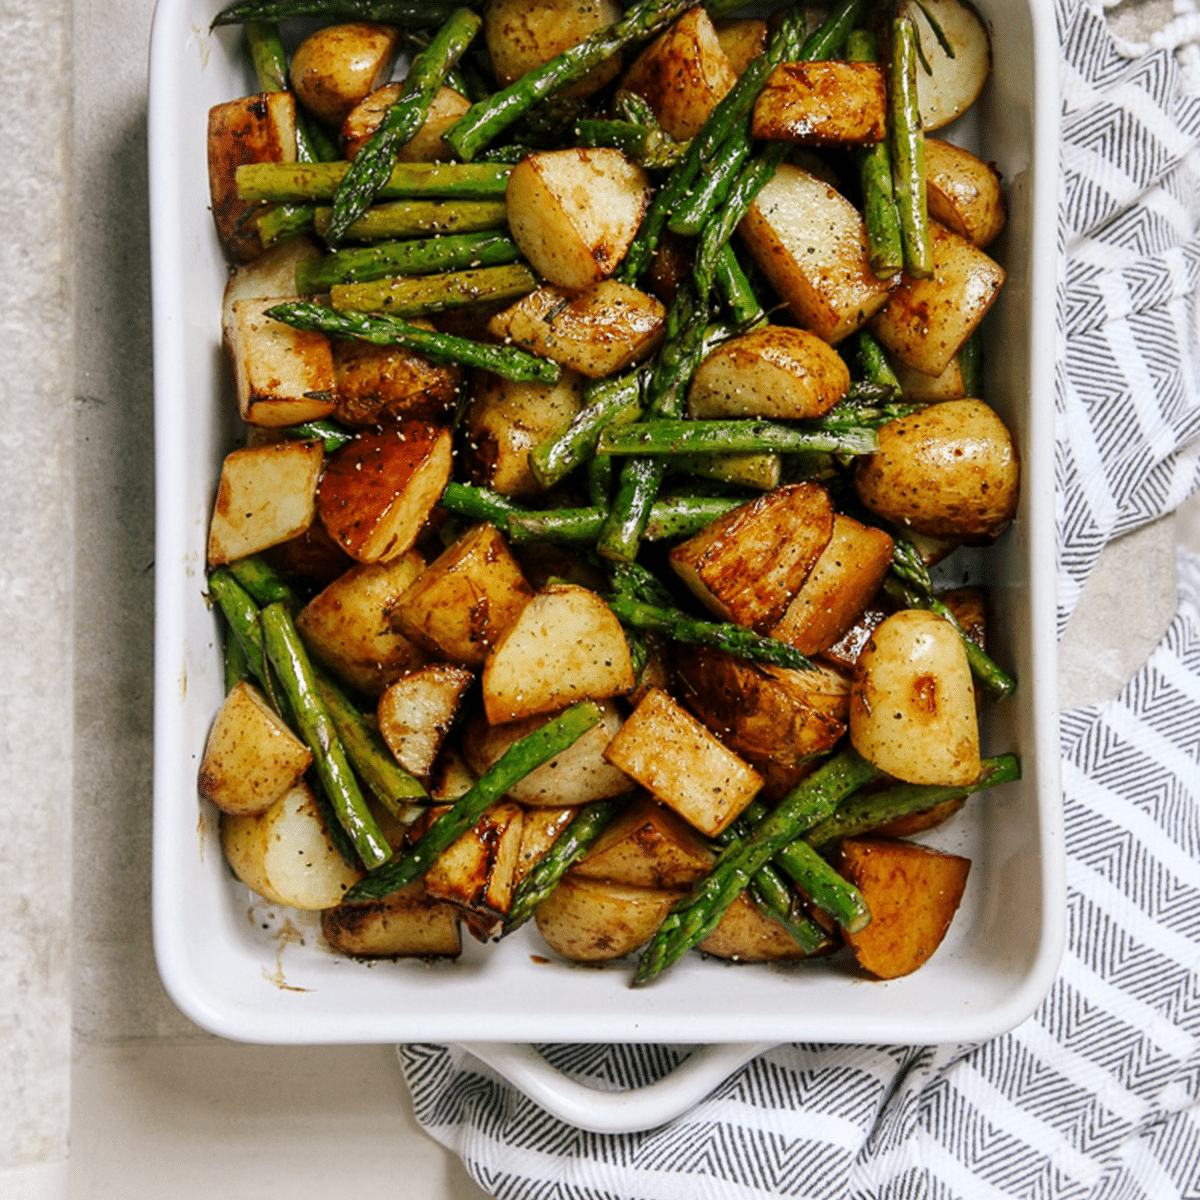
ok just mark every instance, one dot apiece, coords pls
pixel 963 192
pixel 745 935
pixel 379 384
pixel 768 720
pixel 336 67
pixel 743 39
pixel 682 74
pixel 913 893
pixel 843 581
pixel 426 144
pixel 747 565
pixel 407 924
pixel 465 599
pixel 823 104
pixel 523 34
pixel 253 129
pixel 777 372
pixel 949 471
pixel 586 920
pixel 379 488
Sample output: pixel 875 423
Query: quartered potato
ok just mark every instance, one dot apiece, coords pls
pixel 963 192
pixel 336 67
pixel 377 384
pixel 951 85
pixel 416 712
pixel 647 846
pixel 407 924
pixel 587 920
pixel 745 935
pixel 743 39
pixel 425 145
pixel 823 104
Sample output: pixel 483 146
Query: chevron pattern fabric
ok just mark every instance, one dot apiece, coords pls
pixel 1097 1095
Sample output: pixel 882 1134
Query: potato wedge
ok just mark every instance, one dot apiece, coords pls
pixel 252 129
pixel 951 85
pixel 777 372
pixel 949 471
pixel 285 854
pixel 812 246
pixel 338 66
pixel 540 829
pixel 598 332
pixel 913 893
pixel 465 599
pixel 963 192
pixel 379 488
pixel 283 376
pixel 912 709
pixel 745 935
pixel 416 712
pixel 579 775
pixel 425 145
pixel 266 495
pixel 375 385
pixel 574 212
pixel 565 646
pixel 926 321
pixel 682 763
pixel 842 582
pixel 743 39
pixel 749 564
pixel 346 625
pixel 682 74
pixel 586 920
pixel 251 757
pixel 523 34
pixel 506 420
pixel 823 104
pixel 647 846
pixel 407 924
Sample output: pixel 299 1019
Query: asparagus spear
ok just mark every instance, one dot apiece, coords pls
pixel 424 256
pixel 441 347
pixel 288 656
pixel 697 915
pixel 674 517
pixel 478 504
pixel 653 148
pixel 332 435
pixel 514 764
pixel 421 295
pixel 236 664
pixel 970 365
pixel 408 218
pixel 373 165
pixel 735 290
pixel 670 437
pixel 309 182
pixel 866 811
pixel 908 151
pixel 484 121
pixel 569 847
pixel 241 614
pixel 884 250
pixel 873 360
pixel 828 890
pixel 414 13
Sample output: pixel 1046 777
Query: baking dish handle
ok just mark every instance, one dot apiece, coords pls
pixel 615 1112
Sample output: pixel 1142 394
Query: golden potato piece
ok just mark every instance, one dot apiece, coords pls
pixel 336 67
pixel 541 828
pixel 416 712
pixel 375 385
pixel 963 192
pixel 586 920
pixel 425 145
pixel 745 935
pixel 407 924
pixel 743 39
pixel 952 84
pixel 823 104
pixel 913 893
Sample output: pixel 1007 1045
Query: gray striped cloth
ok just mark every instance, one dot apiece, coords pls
pixel 1097 1095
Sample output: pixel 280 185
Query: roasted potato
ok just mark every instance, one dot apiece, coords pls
pixel 338 66
pixel 745 935
pixel 952 83
pixel 377 385
pixel 426 145
pixel 587 920
pixel 407 924
pixel 963 192
pixel 415 713
pixel 828 103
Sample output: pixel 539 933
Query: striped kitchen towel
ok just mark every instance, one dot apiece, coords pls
pixel 1097 1095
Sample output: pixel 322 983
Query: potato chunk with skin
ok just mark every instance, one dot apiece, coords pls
pixel 259 128
pixel 776 372
pixel 346 627
pixel 337 66
pixel 283 376
pixel 379 488
pixel 578 775
pixel 416 712
pixel 379 384
pixel 823 104
pixel 425 145
pixel 912 708
pixel 597 332
pixel 647 846
pixel 407 924
pixel 952 84
pixel 948 471
pixel 574 212
pixel 506 419
pixel 926 321
pixel 743 39
pixel 675 757
pixel 913 893
pixel 811 244
pixel 843 581
pixel 963 192
pixel 587 920
pixel 524 34
pixel 745 935
pixel 747 565
pixel 251 757
pixel 266 495
pixel 465 599
pixel 540 829
pixel 565 646
pixel 682 74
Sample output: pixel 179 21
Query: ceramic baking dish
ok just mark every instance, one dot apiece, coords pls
pixel 250 971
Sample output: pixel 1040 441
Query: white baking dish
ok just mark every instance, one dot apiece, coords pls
pixel 252 972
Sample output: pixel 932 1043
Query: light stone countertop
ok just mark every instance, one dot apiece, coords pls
pixel 105 1089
